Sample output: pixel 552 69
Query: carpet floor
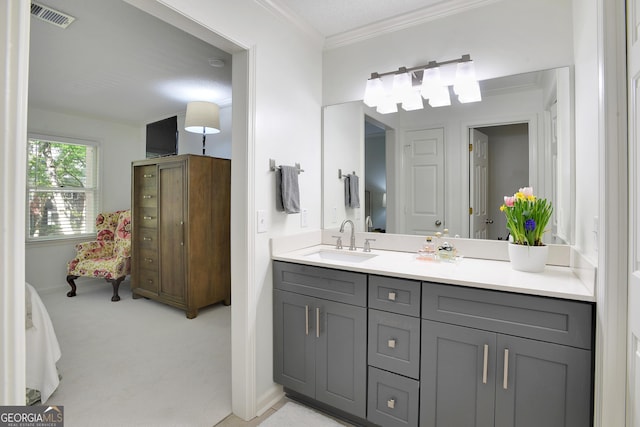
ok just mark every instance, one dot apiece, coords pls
pixel 139 362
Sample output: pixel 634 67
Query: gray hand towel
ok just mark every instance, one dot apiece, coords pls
pixel 354 191
pixel 347 191
pixel 289 189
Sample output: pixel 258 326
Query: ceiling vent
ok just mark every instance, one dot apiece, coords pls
pixel 51 16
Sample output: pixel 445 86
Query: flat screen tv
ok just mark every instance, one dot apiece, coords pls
pixel 162 137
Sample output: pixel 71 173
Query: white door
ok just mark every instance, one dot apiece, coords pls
pixel 479 184
pixel 633 345
pixel 423 162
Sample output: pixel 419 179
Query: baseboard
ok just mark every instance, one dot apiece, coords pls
pixel 270 398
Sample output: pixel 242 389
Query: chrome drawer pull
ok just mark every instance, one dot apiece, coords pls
pixel 148 239
pixel 147 175
pixel 146 196
pixel 505 381
pixel 392 343
pixel 150 281
pixel 306 320
pixel 147 217
pixel 149 260
pixel 391 403
pixel 392 296
pixel 485 364
pixel 317 322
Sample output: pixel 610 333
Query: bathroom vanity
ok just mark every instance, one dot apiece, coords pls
pixel 389 340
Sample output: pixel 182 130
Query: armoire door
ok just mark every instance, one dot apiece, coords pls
pixel 172 228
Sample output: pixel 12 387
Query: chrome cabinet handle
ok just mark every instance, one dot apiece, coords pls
pixel 149 260
pixel 485 364
pixel 150 281
pixel 147 175
pixel 146 196
pixel 391 403
pixel 391 343
pixel 505 381
pixel 148 239
pixel 438 223
pixel 317 322
pixel 147 217
pixel 488 221
pixel 306 320
pixel 392 296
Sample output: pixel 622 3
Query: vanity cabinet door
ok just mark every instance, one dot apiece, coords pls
pixel 457 382
pixel 546 384
pixel 341 356
pixel 294 342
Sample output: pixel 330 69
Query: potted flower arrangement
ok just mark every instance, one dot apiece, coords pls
pixel 527 217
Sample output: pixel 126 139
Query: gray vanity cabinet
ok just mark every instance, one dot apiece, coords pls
pixel 505 361
pixel 320 341
pixel 455 391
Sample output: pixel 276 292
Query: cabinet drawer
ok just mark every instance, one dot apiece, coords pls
pixel 395 295
pixel 148 259
pixel 394 343
pixel 392 399
pixel 147 279
pixel 146 238
pixel 147 217
pixel 546 319
pixel 334 285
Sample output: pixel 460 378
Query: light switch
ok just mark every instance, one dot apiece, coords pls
pixel 261 221
pixel 303 217
pixel 334 215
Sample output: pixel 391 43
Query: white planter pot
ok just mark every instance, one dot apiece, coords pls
pixel 528 258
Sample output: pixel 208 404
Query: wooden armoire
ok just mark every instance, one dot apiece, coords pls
pixel 181 231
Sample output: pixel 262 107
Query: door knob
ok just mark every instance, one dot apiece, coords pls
pixel 438 223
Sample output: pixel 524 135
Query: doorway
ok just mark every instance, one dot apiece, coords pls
pixel 497 168
pixel 375 176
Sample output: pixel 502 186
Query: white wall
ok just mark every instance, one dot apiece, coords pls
pixel 120 144
pixel 503 38
pixel 586 129
pixel 286 127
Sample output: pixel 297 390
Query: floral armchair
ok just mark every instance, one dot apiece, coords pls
pixel 109 256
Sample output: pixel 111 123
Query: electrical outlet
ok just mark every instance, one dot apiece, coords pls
pixel 303 217
pixel 261 221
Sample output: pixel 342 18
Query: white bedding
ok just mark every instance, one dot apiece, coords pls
pixel 43 350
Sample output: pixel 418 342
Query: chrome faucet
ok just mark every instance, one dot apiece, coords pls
pixel 368 223
pixel 352 243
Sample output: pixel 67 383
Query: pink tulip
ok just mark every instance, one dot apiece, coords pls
pixel 527 191
pixel 509 201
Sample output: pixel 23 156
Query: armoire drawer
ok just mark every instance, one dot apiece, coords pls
pixel 396 295
pixel 392 399
pixel 394 343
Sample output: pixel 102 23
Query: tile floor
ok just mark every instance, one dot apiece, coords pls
pixel 234 421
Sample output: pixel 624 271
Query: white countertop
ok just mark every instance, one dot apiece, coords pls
pixel 555 281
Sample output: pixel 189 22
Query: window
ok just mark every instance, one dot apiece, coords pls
pixel 62 188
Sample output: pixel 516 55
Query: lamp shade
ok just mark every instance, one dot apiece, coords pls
pixel 202 117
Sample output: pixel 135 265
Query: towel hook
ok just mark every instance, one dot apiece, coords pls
pixel 340 176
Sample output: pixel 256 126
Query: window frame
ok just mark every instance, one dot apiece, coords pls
pixel 97 192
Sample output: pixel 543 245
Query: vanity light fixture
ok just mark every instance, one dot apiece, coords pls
pixel 430 86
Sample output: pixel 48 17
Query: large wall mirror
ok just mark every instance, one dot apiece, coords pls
pixel 433 169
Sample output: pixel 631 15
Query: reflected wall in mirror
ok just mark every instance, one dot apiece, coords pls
pixel 450 167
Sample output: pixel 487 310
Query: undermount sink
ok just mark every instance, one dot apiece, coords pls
pixel 328 255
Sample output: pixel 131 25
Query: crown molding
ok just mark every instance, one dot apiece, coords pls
pixel 403 21
pixel 278 9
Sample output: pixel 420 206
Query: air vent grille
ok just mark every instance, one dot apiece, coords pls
pixel 51 16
